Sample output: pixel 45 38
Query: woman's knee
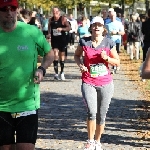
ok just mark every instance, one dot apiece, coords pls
pixel 100 120
pixel 91 116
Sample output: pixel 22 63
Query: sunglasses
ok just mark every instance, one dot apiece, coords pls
pixel 7 8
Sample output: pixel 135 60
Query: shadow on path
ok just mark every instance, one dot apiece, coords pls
pixel 63 117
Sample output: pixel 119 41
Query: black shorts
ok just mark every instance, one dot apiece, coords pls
pixel 61 47
pixel 59 43
pixel 25 126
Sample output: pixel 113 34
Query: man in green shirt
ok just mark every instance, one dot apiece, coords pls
pixel 20 45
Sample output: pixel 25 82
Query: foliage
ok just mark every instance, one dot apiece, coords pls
pixel 48 4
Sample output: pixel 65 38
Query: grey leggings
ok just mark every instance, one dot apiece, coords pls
pixel 97 100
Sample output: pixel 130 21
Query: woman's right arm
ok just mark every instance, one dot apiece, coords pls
pixel 77 58
pixel 77 55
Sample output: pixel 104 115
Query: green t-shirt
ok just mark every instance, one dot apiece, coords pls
pixel 19 50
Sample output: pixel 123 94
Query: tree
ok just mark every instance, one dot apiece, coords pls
pixel 45 4
pixel 147 5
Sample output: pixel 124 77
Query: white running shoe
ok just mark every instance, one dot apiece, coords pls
pixel 56 77
pixel 73 47
pixel 89 145
pixel 113 71
pixel 98 146
pixel 118 68
pixel 62 76
pixel 70 47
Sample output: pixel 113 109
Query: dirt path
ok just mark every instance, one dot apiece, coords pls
pixel 62 114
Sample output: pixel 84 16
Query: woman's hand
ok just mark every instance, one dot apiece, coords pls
pixel 83 68
pixel 104 55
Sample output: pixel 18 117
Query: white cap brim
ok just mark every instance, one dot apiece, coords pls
pixel 97 19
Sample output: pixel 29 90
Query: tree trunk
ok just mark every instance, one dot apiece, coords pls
pixel 109 4
pixel 134 8
pixel 147 5
pixel 123 6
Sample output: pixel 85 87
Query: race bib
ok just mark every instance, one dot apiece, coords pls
pixel 98 70
pixel 56 32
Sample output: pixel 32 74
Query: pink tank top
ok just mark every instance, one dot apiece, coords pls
pixel 98 73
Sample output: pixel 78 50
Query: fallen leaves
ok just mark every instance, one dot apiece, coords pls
pixel 131 70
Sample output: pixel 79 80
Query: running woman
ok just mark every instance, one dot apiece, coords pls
pixel 97 81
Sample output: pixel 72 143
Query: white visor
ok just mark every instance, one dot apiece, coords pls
pixel 97 19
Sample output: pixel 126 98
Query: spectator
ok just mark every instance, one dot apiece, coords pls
pixel 104 15
pixel 119 16
pixel 115 31
pixel 45 25
pixel 133 31
pixel 110 13
pixel 146 33
pixel 25 15
pixel 139 20
pixel 73 31
pixel 83 30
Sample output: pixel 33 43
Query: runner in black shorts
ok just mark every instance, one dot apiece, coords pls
pixel 20 78
pixel 25 126
pixel 58 26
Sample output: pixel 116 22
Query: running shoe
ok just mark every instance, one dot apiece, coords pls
pixel 118 68
pixel 98 146
pixel 114 71
pixel 70 47
pixel 62 76
pixel 73 47
pixel 56 77
pixel 89 145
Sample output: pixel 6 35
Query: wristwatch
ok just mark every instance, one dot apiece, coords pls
pixel 43 69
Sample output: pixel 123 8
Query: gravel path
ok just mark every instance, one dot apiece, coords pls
pixel 62 115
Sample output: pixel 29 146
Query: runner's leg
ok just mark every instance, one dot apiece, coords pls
pixel 62 61
pixel 55 62
pixel 104 96
pixel 90 96
pixel 26 132
pixel 7 131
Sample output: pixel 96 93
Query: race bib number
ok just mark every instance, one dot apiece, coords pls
pixel 98 70
pixel 56 32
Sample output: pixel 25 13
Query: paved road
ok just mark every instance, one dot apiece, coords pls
pixel 62 115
